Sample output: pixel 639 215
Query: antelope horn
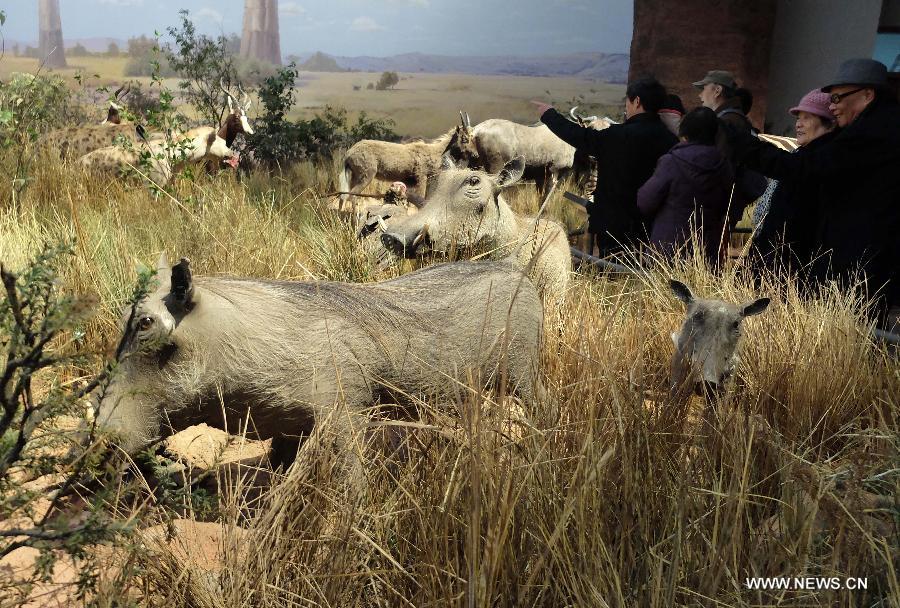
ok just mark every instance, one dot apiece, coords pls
pixel 118 92
pixel 421 236
pixel 245 100
pixel 224 90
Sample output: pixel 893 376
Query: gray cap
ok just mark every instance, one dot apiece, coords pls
pixel 864 72
pixel 720 77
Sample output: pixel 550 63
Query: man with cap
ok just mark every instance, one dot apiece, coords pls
pixel 718 92
pixel 859 175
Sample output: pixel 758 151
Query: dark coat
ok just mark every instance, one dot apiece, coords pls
pixel 626 156
pixel 787 235
pixel 859 173
pixel 749 185
pixel 689 189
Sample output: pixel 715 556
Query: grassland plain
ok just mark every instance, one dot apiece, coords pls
pixel 623 499
pixel 421 105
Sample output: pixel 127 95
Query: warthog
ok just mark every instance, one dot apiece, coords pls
pixel 465 209
pixel 289 353
pixel 705 346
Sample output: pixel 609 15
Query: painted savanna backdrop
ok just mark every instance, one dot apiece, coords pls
pixel 609 493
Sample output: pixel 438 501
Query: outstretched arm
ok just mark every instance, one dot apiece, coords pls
pixel 584 139
pixel 853 153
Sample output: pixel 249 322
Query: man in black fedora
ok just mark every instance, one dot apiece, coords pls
pixel 858 221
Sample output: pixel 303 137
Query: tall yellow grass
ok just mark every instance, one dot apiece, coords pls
pixel 618 498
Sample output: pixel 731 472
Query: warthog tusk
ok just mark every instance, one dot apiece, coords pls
pixel 421 236
pixel 381 223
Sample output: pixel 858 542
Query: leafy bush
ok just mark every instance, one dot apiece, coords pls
pixel 252 71
pixel 202 63
pixel 79 50
pixel 387 81
pixel 278 140
pixel 145 58
pixel 142 102
pixel 40 329
pixel 31 105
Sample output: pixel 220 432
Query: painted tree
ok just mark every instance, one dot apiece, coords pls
pixel 50 39
pixel 259 38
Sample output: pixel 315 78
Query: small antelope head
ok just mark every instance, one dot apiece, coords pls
pixel 114 113
pixel 462 145
pixel 236 121
pixel 705 346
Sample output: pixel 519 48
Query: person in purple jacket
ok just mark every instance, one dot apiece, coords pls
pixel 689 191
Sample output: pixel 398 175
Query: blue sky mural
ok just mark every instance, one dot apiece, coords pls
pixel 365 27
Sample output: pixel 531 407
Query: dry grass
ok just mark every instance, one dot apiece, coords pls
pixel 625 499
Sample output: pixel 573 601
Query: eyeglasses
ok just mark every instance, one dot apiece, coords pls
pixel 837 98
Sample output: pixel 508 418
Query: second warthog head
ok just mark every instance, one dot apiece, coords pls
pixel 463 209
pixel 705 348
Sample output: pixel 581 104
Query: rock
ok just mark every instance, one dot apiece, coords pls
pixel 204 447
pixel 194 544
pixel 17 568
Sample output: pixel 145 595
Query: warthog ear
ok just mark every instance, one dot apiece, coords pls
pixel 511 172
pixel 682 292
pixel 447 162
pixel 182 288
pixel 755 307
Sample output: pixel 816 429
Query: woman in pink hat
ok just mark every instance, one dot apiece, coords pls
pixel 786 215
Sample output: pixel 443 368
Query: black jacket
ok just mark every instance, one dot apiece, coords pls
pixel 859 173
pixel 626 156
pixel 788 233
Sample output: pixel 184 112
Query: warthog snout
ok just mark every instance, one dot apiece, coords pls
pixel 402 245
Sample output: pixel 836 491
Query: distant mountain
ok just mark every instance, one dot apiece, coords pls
pixel 609 67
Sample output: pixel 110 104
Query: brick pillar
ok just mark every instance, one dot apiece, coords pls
pixel 679 42
pixel 260 38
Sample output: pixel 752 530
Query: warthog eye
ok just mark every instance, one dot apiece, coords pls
pixel 145 323
pixel 736 325
pixel 474 180
pixel 479 209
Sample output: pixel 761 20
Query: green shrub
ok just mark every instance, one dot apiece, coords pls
pixel 145 57
pixel 278 140
pixel 202 63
